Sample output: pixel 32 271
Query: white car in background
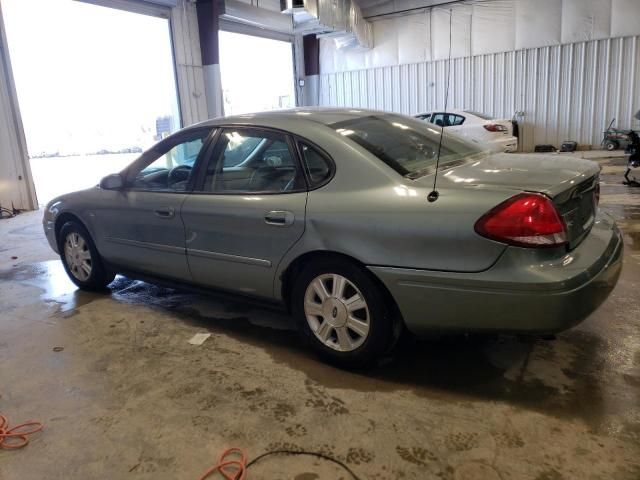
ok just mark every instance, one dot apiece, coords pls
pixel 479 128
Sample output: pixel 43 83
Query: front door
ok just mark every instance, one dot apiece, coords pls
pixel 139 227
pixel 248 209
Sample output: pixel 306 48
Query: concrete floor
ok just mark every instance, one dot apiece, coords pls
pixel 128 397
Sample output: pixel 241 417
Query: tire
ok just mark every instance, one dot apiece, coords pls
pixel 81 259
pixel 610 145
pixel 324 324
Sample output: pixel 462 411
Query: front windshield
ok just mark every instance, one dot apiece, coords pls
pixel 408 146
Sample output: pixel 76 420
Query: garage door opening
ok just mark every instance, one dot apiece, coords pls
pixel 96 86
pixel 256 73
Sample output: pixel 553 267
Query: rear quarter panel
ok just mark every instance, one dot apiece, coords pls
pixel 395 225
pixel 373 214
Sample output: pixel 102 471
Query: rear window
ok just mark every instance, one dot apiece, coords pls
pixel 483 116
pixel 408 146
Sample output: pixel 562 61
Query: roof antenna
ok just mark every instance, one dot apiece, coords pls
pixel 433 195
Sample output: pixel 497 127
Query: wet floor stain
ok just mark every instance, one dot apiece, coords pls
pixel 622 202
pixel 453 368
pixel 51 278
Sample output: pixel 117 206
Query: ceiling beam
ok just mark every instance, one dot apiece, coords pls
pixel 385 8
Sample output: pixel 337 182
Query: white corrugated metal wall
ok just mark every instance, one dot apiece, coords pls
pixel 567 92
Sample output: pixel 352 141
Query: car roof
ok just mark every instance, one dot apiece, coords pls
pixel 322 115
pixel 448 110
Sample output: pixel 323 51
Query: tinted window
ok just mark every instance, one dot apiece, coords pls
pixel 317 166
pixel 170 170
pixel 447 119
pixel 408 146
pixel 262 162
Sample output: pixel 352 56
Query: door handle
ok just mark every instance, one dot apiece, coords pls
pixel 165 212
pixel 279 218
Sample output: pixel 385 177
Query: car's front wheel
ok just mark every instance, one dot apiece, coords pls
pixel 81 259
pixel 341 312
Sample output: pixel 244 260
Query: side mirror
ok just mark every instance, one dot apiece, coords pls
pixel 112 182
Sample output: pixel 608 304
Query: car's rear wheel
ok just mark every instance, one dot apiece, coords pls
pixel 81 259
pixel 341 312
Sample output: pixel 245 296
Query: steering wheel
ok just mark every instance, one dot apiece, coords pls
pixel 179 173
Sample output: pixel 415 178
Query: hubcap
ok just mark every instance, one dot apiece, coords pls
pixel 78 256
pixel 336 312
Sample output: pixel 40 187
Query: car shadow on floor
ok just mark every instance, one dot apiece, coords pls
pixel 558 376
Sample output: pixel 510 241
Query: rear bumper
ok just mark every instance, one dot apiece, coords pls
pixel 522 293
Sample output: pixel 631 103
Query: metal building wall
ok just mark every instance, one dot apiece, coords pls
pixel 567 92
pixel 188 62
pixel 16 184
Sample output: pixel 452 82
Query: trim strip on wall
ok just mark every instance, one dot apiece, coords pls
pixel 244 29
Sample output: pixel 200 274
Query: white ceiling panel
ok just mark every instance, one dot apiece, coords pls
pixel 584 20
pixel 625 18
pixel 493 29
pixel 538 23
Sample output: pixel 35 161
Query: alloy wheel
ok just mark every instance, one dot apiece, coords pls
pixel 336 312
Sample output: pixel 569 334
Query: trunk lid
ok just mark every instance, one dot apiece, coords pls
pixel 571 183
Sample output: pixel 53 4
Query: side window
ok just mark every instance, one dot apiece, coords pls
pixel 316 165
pixel 455 119
pixel 249 161
pixel 238 148
pixel 447 119
pixel 170 170
pixel 426 117
pixel 438 119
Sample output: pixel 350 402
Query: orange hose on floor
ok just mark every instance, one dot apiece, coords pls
pixel 17 437
pixel 230 469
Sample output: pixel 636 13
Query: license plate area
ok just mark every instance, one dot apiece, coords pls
pixel 579 212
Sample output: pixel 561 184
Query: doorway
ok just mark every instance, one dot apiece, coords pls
pixel 95 85
pixel 256 73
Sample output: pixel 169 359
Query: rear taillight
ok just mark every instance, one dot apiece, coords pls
pixel 597 192
pixel 526 220
pixel 494 127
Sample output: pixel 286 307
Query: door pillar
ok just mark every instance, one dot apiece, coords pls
pixel 311 90
pixel 209 12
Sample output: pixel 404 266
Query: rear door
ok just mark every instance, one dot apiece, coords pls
pixel 139 227
pixel 247 211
